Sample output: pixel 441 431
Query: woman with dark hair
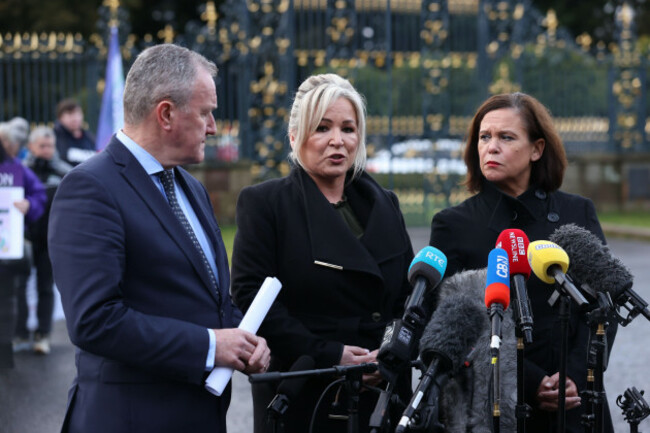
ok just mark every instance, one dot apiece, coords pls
pixel 515 165
pixel 12 272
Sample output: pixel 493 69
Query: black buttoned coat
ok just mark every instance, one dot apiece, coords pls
pixel 336 289
pixel 468 232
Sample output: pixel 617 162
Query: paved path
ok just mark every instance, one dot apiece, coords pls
pixel 33 395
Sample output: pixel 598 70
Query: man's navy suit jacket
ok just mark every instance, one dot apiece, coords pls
pixel 137 299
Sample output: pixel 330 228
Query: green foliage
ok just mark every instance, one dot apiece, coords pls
pixel 567 81
pixel 373 83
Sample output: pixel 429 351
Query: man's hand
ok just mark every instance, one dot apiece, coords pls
pixel 548 393
pixel 241 350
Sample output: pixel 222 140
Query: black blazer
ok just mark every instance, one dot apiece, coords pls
pixel 336 289
pixel 468 232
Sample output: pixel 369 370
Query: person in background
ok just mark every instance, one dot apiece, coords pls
pixel 337 242
pixel 14 273
pixel 141 266
pixel 44 162
pixel 11 139
pixel 74 143
pixel 515 165
pixel 20 130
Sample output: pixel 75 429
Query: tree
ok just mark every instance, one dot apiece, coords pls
pixel 81 16
pixel 595 17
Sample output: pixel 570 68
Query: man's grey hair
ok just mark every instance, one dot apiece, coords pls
pixel 41 132
pixel 19 129
pixel 161 72
pixel 6 132
pixel 13 132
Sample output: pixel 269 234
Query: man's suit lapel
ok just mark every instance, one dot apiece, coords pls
pixel 140 181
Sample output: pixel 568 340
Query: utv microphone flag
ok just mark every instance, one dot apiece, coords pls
pixel 111 114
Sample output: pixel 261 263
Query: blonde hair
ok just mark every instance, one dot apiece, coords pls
pixel 313 98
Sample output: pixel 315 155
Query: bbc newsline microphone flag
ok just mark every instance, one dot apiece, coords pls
pixel 111 114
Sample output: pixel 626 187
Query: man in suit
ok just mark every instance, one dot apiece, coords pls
pixel 142 269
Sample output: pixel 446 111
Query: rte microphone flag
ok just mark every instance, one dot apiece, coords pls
pixel 111 114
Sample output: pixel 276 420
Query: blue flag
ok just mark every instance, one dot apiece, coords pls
pixel 111 115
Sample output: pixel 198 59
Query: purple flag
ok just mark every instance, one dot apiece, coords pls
pixel 111 115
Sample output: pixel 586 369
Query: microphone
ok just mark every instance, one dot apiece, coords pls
pixel 290 388
pixel 446 342
pixel 593 265
pixel 550 262
pixel 497 293
pixel 399 342
pixel 515 242
pixel 425 272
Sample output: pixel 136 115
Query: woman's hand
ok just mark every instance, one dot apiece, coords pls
pixel 354 355
pixel 548 393
pixel 373 379
pixel 22 206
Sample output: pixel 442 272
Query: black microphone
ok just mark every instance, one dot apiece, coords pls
pixel 594 266
pixel 399 343
pixel 290 388
pixel 446 342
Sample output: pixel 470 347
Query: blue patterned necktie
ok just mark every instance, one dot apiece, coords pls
pixel 167 180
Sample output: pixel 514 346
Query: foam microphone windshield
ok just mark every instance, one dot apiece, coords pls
pixel 591 261
pixel 452 331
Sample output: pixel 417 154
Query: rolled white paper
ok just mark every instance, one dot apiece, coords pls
pixel 220 376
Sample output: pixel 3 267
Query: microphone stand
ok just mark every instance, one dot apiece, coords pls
pixel 352 384
pixel 522 410
pixel 496 396
pixel 593 418
pixel 353 379
pixel 274 412
pixel 378 416
pixel 565 313
pixel 567 292
pixel 635 408
pixel 496 315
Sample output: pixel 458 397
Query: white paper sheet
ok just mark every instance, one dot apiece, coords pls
pixel 12 223
pixel 220 376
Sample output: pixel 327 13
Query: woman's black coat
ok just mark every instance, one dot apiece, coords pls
pixel 336 289
pixel 468 232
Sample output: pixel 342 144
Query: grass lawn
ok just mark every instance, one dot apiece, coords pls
pixel 639 219
pixel 228 235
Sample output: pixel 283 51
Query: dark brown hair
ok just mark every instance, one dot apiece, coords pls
pixel 548 171
pixel 65 106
